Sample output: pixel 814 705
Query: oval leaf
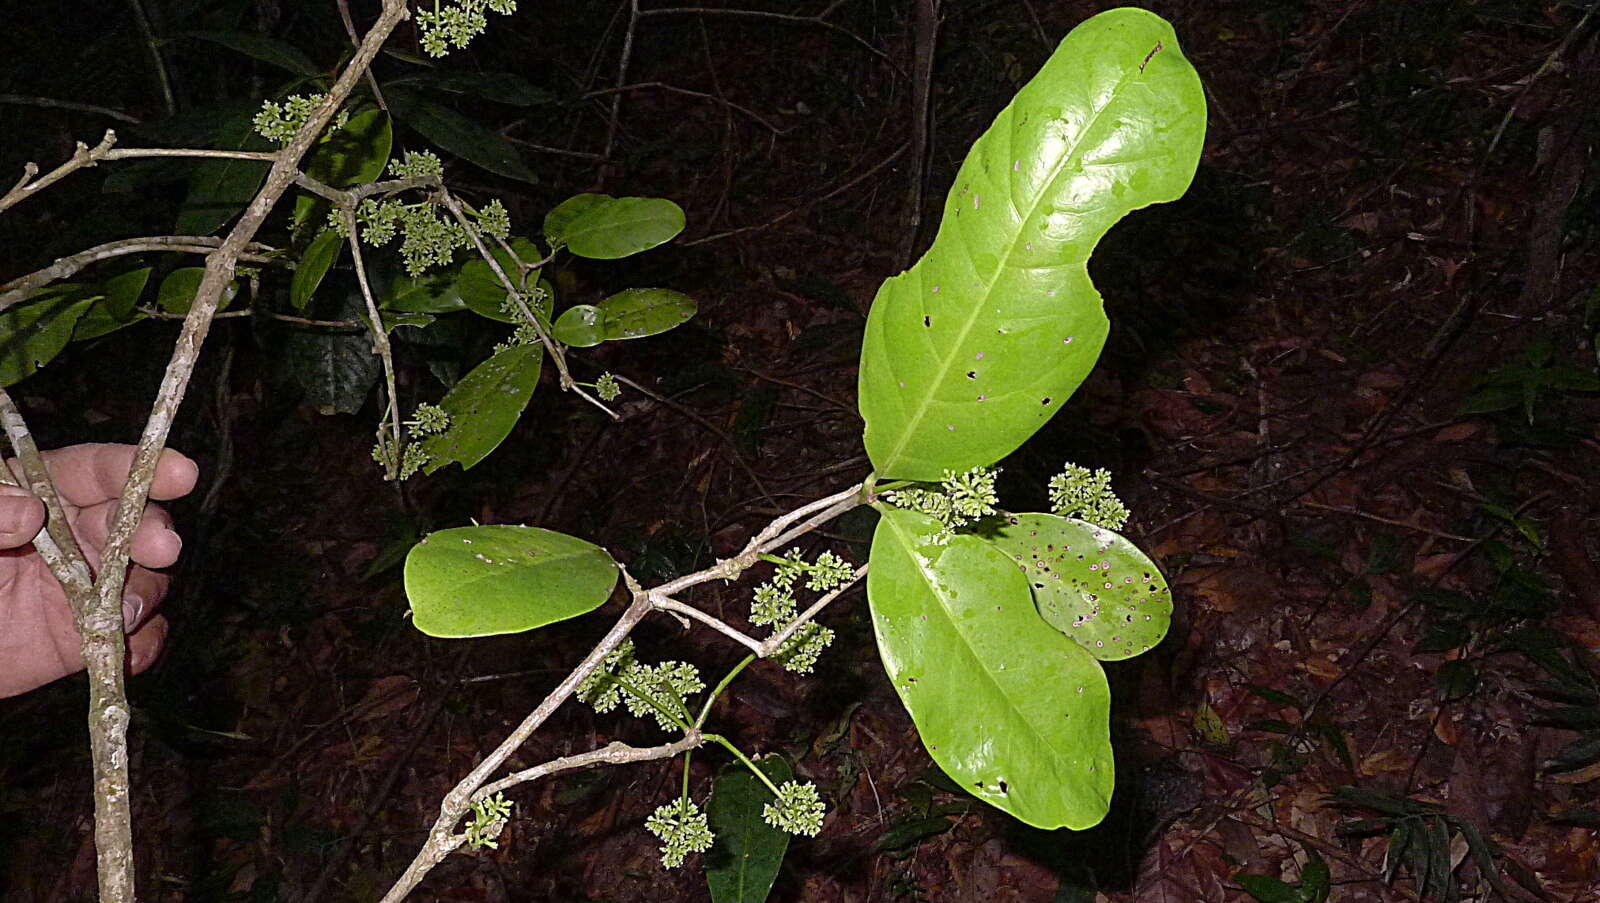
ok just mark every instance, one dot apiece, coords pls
pixel 581 326
pixel 1012 710
pixel 459 135
pixel 483 581
pixel 744 863
pixel 116 309
pixel 976 346
pixel 564 213
pixel 617 227
pixel 483 407
pixel 220 189
pixel 356 153
pixel 1090 583
pixel 314 264
pixel 638 312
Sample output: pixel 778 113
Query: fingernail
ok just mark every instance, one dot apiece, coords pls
pixel 132 609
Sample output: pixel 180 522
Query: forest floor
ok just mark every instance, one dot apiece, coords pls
pixel 1347 397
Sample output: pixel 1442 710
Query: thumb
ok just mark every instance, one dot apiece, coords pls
pixel 21 516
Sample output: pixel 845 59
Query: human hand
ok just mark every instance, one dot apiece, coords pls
pixel 38 639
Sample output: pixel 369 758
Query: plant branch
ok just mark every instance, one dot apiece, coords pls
pixel 51 102
pixel 380 338
pixel 55 543
pixel 21 287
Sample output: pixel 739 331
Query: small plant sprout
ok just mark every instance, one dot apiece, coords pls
pixel 682 829
pixel 279 122
pixel 797 810
pixel 960 499
pixel 454 24
pixel 489 817
pixel 1086 495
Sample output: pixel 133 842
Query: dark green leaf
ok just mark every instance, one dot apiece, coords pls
pixel 116 309
pixel 490 580
pixel 1579 753
pixel 34 331
pixel 1443 635
pixel 348 156
pixel 314 263
pixel 220 189
pixel 267 50
pixel 483 407
pixel 904 835
pixel 744 863
pixel 336 368
pixel 1271 695
pixel 500 87
pixel 1267 889
pixel 459 135
pixel 1315 879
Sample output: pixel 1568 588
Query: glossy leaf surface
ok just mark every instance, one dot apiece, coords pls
pixel 313 266
pixel 606 228
pixel 483 581
pixel 976 346
pixel 220 189
pixel 638 312
pixel 483 407
pixel 343 157
pixel 744 862
pixel 581 326
pixel 1090 583
pixel 1012 710
pixel 176 294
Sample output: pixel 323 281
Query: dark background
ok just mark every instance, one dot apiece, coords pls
pixel 1347 396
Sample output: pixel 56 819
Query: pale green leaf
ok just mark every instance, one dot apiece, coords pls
pixel 975 347
pixel 1090 583
pixel 483 581
pixel 1011 709
pixel 581 326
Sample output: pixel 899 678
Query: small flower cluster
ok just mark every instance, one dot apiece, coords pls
pixel 1085 494
pixel 606 387
pixel 429 239
pixel 417 165
pixel 456 24
pixel 655 690
pixel 682 828
pixel 960 499
pixel 489 816
pixel 798 809
pixel 774 605
pixel 281 122
pixel 525 333
pixel 430 420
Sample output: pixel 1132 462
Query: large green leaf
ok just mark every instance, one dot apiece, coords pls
pixel 336 367
pixel 976 346
pixel 1090 583
pixel 177 291
pixel 482 581
pixel 459 135
pixel 33 332
pixel 748 853
pixel 483 407
pixel 605 228
pixel 638 312
pixel 356 153
pixel 1012 710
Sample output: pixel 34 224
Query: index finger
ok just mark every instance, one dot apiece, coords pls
pixel 94 472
